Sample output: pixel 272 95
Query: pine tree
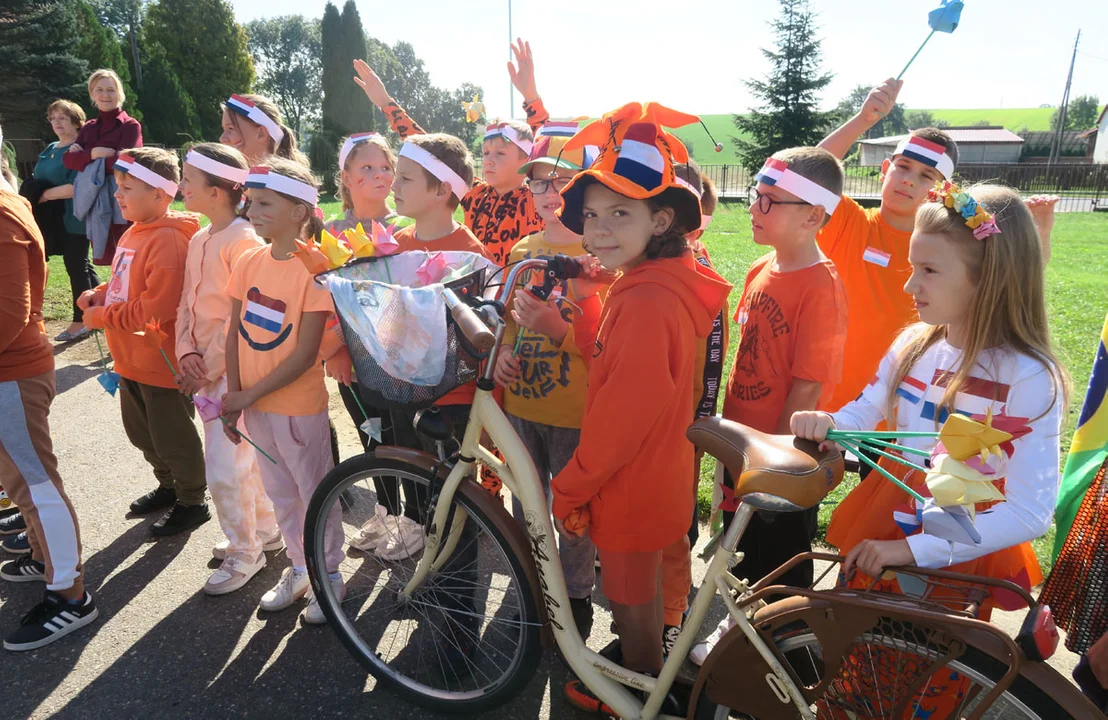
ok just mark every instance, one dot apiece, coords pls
pixel 356 115
pixel 789 115
pixel 333 73
pixel 100 47
pixel 169 115
pixel 207 50
pixel 37 63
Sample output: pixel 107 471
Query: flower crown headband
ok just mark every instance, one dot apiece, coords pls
pixel 955 198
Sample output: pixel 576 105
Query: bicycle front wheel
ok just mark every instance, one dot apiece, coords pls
pixel 894 660
pixel 468 638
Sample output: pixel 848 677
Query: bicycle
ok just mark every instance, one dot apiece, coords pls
pixel 460 625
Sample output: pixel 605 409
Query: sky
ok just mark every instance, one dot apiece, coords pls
pixel 594 55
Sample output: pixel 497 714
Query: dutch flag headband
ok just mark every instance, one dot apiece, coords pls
pixel 263 177
pixel 926 152
pixel 436 167
pixel 254 114
pixel 230 173
pixel 353 141
pixel 777 173
pixel 127 164
pixel 509 133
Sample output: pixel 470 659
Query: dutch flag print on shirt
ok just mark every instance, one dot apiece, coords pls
pixel 877 257
pixel 975 398
pixel 266 313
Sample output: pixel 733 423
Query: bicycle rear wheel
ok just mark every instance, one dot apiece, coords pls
pixel 469 637
pixel 891 657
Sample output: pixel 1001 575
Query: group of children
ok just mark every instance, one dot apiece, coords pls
pixel 896 315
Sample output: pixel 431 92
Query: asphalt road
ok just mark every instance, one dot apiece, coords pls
pixel 161 648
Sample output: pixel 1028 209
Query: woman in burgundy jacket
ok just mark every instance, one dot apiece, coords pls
pixel 112 131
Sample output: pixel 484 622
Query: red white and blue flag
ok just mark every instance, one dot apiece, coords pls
pixel 264 312
pixel 975 397
pixel 777 173
pixel 639 159
pixel 877 257
pixel 254 114
pixel 926 152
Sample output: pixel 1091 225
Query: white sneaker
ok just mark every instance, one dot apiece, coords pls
pixel 313 614
pixel 271 544
pixel 232 575
pixel 702 649
pixel 292 586
pixel 374 533
pixel 405 538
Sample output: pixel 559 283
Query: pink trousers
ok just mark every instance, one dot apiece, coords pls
pixel 301 445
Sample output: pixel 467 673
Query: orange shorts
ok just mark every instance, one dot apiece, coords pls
pixel 635 578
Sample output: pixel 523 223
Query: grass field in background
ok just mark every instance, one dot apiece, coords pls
pixel 1076 303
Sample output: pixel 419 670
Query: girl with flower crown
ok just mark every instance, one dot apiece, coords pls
pixel 982 349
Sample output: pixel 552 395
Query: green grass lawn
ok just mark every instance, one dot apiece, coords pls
pixel 1076 302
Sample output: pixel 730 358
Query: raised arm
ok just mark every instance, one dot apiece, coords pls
pixel 878 104
pixel 522 73
pixel 378 94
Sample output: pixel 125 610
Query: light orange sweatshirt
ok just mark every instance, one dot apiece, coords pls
pixel 25 351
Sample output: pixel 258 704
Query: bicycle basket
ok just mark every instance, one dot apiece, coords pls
pixel 406 350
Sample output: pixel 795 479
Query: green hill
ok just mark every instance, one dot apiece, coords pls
pixel 1015 119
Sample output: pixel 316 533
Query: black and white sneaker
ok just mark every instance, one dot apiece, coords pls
pixel 25 569
pixel 13 524
pixel 52 619
pixel 670 634
pixel 17 544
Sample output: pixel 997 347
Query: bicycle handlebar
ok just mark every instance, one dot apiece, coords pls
pixel 472 327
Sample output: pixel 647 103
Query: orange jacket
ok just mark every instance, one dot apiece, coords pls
pixel 632 465
pixel 148 275
pixel 25 351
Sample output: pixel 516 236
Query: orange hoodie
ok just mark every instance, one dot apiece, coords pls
pixel 148 275
pixel 25 351
pixel 632 465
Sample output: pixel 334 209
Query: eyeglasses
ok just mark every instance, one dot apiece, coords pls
pixel 765 203
pixel 538 187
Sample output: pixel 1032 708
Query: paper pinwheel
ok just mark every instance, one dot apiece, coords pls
pixel 942 19
pixel 475 109
pixel 432 269
pixel 109 381
pixel 336 253
pixel 309 254
pixel 963 437
pixel 208 408
pixel 953 482
pixel 153 335
pixel 379 244
pixel 372 428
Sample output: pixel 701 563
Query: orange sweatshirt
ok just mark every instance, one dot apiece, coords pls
pixel 632 465
pixel 25 351
pixel 498 220
pixel 148 275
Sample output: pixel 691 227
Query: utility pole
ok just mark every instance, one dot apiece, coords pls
pixel 1056 146
pixel 511 88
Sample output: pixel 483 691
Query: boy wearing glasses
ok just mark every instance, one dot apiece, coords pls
pixel 792 317
pixel 540 368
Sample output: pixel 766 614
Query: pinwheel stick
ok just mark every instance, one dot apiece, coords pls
pixel 873 442
pixel 879 434
pixel 914 57
pixel 225 420
pixel 884 473
pixel 103 360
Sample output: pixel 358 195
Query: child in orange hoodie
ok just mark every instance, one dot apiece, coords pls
pixel 147 278
pixel 628 483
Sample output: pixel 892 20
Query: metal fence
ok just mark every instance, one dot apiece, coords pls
pixel 1083 187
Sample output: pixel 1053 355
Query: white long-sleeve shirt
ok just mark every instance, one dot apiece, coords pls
pixel 1007 382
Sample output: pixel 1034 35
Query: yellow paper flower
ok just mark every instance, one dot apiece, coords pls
pixel 337 253
pixel 360 243
pixel 965 437
pixel 952 482
pixel 475 109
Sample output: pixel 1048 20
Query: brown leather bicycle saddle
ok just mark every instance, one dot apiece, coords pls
pixel 779 466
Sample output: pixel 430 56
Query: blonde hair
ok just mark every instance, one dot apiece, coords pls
pixel 159 161
pixel 313 225
pixel 1008 309
pixel 228 156
pixel 102 73
pixel 71 109
pixel 378 142
pixel 453 153
pixel 287 148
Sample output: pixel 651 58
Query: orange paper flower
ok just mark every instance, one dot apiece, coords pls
pixel 153 335
pixel 312 257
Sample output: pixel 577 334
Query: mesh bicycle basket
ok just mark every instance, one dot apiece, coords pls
pixel 406 349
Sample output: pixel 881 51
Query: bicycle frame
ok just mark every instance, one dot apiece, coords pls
pixel 518 473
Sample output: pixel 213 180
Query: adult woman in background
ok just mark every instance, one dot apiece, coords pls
pixel 103 137
pixel 66 119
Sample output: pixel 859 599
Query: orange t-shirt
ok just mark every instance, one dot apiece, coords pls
pixel 793 326
pixel 275 294
pixel 871 257
pixel 461 240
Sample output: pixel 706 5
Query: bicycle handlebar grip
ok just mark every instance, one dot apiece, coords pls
pixel 474 329
pixel 563 267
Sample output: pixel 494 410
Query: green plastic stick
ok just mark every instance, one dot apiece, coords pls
pixel 914 57
pixel 871 442
pixel 896 458
pixel 103 360
pixel 879 434
pixel 519 341
pixel 885 473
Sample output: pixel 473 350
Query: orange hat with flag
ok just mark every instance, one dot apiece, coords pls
pixel 636 160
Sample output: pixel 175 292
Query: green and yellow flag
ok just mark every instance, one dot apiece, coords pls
pixel 1089 448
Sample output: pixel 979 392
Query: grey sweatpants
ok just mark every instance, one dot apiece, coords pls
pixel 551 449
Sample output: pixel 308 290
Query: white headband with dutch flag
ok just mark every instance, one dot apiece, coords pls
pixel 510 134
pixel 777 173
pixel 214 167
pixel 926 152
pixel 436 167
pixel 255 115
pixel 558 129
pixel 349 143
pixel 127 164
pixel 263 177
